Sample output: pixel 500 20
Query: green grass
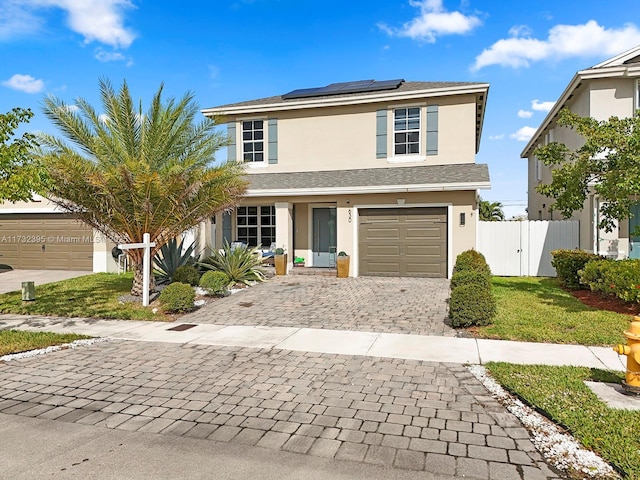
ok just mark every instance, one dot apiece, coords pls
pixel 562 395
pixel 14 341
pixel 534 309
pixel 94 296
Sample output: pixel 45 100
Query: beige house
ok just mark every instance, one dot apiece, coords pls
pixel 384 171
pixel 37 235
pixel 610 88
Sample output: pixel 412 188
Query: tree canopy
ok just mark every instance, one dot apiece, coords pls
pixel 608 163
pixel 490 211
pixel 20 173
pixel 125 171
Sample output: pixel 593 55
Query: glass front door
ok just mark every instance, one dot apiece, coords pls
pixel 324 237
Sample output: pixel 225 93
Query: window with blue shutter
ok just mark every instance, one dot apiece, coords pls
pixel 432 129
pixel 273 140
pixel 381 134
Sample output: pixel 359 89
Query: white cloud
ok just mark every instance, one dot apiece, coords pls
pixel 525 114
pixel 542 106
pixel 104 56
pixel 563 41
pixel 16 20
pixel 433 21
pixel 496 137
pixel 24 83
pixel 524 134
pixel 96 20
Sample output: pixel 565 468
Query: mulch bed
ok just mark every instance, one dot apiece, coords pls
pixel 612 304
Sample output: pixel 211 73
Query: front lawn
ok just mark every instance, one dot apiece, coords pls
pixel 94 296
pixel 561 394
pixel 534 309
pixel 14 341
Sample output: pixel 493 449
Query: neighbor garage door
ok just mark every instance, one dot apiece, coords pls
pixel 403 241
pixel 51 241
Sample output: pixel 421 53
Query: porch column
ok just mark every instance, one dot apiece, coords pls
pixel 284 230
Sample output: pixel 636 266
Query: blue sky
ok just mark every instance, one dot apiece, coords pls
pixel 245 49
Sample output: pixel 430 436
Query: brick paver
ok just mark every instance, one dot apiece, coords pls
pixel 388 305
pixel 333 406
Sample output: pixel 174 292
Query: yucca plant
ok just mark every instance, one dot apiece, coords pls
pixel 240 264
pixel 171 257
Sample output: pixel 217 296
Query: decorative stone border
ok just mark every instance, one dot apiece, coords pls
pixel 559 448
pixel 54 348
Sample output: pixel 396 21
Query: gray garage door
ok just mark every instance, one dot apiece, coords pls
pixel 51 241
pixel 403 241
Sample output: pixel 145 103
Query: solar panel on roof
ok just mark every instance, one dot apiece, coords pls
pixel 359 86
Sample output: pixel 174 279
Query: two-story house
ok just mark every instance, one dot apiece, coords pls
pixel 611 88
pixel 382 170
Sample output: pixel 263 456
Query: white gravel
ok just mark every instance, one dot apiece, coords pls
pixel 42 351
pixel 559 448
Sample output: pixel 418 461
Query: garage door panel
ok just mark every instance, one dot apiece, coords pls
pixel 384 233
pixel 381 268
pixel 373 250
pixel 418 246
pixel 45 241
pixel 432 233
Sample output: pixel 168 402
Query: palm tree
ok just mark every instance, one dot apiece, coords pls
pixel 125 172
pixel 490 211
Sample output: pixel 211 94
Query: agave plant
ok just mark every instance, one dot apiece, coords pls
pixel 240 264
pixel 171 257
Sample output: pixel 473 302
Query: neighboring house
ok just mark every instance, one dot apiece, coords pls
pixel 384 171
pixel 36 235
pixel 608 89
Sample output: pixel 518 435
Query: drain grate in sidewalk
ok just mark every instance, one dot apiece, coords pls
pixel 182 327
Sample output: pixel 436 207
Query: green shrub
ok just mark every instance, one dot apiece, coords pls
pixel 214 282
pixel 613 277
pixel 241 264
pixel 471 260
pixel 568 263
pixel 187 274
pixel 468 277
pixel 471 305
pixel 170 258
pixel 177 297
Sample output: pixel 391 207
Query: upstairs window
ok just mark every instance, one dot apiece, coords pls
pixel 253 141
pixel 406 129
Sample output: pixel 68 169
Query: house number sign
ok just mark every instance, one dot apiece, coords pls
pixel 349 215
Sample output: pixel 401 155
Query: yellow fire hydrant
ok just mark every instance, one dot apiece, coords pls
pixel 632 351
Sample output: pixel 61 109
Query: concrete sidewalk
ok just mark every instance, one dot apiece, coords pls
pixel 11 280
pixel 386 345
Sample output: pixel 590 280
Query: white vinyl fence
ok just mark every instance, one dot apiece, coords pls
pixel 520 249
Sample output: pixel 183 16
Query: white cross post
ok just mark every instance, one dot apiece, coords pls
pixel 146 261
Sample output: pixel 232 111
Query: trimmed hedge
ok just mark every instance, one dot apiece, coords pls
pixel 472 301
pixel 187 274
pixel 620 278
pixel 177 297
pixel 471 260
pixel 215 282
pixel 568 263
pixel 471 305
pixel 468 277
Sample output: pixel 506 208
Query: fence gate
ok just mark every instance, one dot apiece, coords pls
pixel 523 248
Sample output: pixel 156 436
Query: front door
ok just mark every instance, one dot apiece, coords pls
pixel 634 240
pixel 324 237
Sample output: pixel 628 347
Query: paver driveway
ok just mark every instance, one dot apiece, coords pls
pixel 406 414
pixel 372 304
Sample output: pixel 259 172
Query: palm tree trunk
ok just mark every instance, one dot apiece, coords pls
pixel 138 279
